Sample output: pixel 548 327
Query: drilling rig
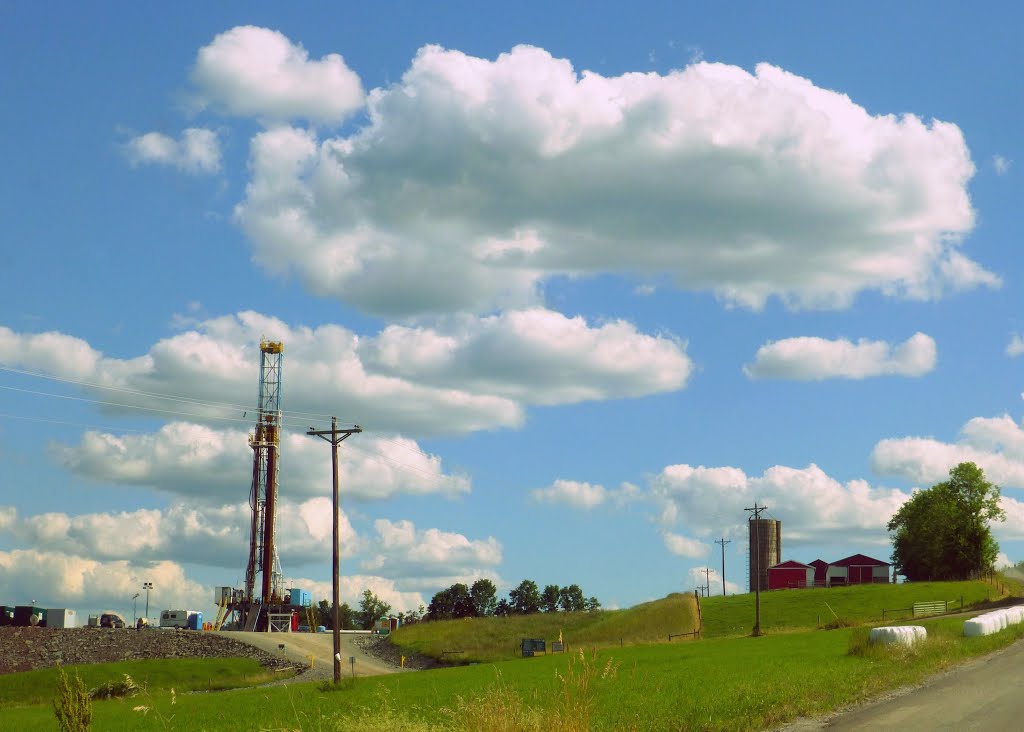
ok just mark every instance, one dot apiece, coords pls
pixel 265 441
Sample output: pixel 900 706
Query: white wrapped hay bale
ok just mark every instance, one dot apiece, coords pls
pixel 904 634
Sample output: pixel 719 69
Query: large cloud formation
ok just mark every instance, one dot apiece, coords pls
pixel 474 180
pixel 463 375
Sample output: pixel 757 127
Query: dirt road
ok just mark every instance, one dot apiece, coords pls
pixel 982 695
pixel 298 647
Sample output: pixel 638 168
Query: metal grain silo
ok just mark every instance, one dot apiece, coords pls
pixel 766 540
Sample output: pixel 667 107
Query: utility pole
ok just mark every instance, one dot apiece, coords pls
pixel 723 541
pixel 336 437
pixel 756 518
pixel 707 580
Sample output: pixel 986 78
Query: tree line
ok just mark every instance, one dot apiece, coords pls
pixel 481 600
pixel 371 608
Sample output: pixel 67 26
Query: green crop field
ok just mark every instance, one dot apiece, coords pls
pixel 725 683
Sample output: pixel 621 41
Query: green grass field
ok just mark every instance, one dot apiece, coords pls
pixel 724 683
pixel 802 609
pixel 493 639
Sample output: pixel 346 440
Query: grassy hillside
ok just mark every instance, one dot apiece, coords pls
pixel 803 609
pixel 719 684
pixel 490 639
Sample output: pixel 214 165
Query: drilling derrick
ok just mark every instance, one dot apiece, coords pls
pixel 264 442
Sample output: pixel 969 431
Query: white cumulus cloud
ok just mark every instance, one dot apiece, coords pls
pixel 812 506
pixel 196 151
pixel 807 359
pixel 994 444
pixel 474 180
pixel 1016 345
pixel 251 71
pixel 684 546
pixel 463 375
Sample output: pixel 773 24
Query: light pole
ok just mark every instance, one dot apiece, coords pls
pixel 147 586
pixel 135 609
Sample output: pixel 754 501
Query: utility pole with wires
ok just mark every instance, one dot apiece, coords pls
pixel 756 518
pixel 723 541
pixel 336 437
pixel 707 580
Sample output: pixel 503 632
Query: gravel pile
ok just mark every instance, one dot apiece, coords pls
pixel 25 649
pixel 379 647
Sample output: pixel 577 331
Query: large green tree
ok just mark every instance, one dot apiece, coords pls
pixel 485 597
pixel 942 533
pixel 371 608
pixel 525 599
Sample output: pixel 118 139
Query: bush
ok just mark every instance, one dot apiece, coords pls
pixel 72 706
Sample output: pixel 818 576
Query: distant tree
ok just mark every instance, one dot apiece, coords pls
pixel 503 608
pixel 591 604
pixel 525 599
pixel 942 532
pixel 571 599
pixel 464 607
pixel 371 608
pixel 325 617
pixel 484 595
pixel 549 599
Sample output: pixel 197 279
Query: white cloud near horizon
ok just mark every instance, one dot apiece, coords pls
pixel 57 580
pixel 816 359
pixel 474 180
pixel 429 558
pixel 252 71
pixel 699 578
pixel 460 376
pixel 214 536
pixel 812 506
pixel 197 151
pixel 994 444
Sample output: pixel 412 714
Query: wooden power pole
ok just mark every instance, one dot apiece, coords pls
pixel 756 518
pixel 723 541
pixel 336 437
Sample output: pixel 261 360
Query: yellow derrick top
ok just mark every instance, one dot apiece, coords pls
pixel 271 346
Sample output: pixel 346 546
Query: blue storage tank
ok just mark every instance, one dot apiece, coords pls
pixel 299 598
pixel 195 621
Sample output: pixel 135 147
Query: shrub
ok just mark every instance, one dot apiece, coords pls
pixel 72 706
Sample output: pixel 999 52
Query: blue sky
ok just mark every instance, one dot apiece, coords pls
pixel 592 279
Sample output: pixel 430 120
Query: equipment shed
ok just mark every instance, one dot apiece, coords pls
pixel 858 569
pixel 789 575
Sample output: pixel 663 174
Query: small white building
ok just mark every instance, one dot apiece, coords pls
pixel 61 618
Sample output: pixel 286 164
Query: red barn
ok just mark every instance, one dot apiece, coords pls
pixel 857 569
pixel 790 574
pixel 820 572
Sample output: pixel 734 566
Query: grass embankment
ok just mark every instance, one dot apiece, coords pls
pixel 784 610
pixel 155 675
pixel 493 639
pixel 721 684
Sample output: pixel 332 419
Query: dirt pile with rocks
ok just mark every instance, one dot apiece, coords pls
pixel 25 649
pixel 381 648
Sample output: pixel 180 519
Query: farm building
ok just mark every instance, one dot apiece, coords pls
pixel 856 570
pixel 790 574
pixel 820 572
